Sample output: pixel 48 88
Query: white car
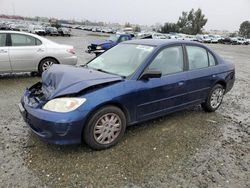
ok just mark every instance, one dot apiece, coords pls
pixel 24 52
pixel 158 36
pixel 35 29
pixel 206 39
pixel 242 41
pixel 190 38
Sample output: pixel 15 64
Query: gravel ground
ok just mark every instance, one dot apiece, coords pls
pixel 190 148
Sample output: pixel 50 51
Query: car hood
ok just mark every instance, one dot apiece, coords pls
pixel 62 80
pixel 101 42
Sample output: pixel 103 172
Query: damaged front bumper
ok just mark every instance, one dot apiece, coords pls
pixel 93 50
pixel 52 127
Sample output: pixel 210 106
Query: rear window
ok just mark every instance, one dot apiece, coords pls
pixel 2 39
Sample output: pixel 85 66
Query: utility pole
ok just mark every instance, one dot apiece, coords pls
pixel 13 8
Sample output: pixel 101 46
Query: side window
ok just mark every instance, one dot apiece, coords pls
pixel 169 60
pixel 197 57
pixel 2 39
pixel 22 40
pixel 211 59
pixel 38 42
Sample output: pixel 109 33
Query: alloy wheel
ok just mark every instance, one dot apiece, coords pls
pixel 107 128
pixel 47 65
pixel 216 97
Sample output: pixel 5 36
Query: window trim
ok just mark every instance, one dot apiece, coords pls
pixel 193 45
pixel 163 48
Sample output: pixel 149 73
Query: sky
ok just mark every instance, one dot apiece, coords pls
pixel 221 14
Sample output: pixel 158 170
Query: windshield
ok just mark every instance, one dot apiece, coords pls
pixel 122 60
pixel 114 37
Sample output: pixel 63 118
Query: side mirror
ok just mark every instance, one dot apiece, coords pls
pixel 150 73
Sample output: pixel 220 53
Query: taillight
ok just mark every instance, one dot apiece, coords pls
pixel 72 51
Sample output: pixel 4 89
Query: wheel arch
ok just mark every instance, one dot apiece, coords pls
pixel 110 103
pixel 48 57
pixel 223 83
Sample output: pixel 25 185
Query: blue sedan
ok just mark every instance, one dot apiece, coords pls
pixel 133 82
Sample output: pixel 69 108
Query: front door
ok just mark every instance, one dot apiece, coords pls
pixel 158 96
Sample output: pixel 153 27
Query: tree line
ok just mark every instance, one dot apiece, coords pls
pixel 245 29
pixel 190 23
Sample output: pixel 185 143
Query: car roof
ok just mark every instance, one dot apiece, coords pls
pixel 160 42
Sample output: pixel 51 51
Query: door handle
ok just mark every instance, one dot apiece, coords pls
pixel 40 50
pixel 181 83
pixel 3 51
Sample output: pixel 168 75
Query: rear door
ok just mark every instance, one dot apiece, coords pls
pixel 201 73
pixel 4 54
pixel 25 52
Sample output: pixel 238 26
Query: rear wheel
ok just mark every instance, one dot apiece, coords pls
pixel 105 128
pixel 214 99
pixel 46 64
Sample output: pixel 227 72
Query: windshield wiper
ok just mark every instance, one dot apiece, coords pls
pixel 101 70
pixel 85 65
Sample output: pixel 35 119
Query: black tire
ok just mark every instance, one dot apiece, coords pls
pixel 33 74
pixel 97 54
pixel 89 135
pixel 211 105
pixel 42 64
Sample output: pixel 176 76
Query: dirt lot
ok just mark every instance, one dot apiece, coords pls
pixel 186 149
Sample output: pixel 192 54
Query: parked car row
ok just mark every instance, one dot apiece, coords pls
pixel 212 39
pixel 98 29
pixel 39 29
pixel 49 31
pixel 198 38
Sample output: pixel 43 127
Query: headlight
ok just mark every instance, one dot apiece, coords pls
pixel 98 47
pixel 64 104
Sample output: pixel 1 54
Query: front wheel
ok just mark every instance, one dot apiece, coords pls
pixel 214 98
pixel 105 128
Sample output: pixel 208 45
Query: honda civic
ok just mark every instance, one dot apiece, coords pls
pixel 135 81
